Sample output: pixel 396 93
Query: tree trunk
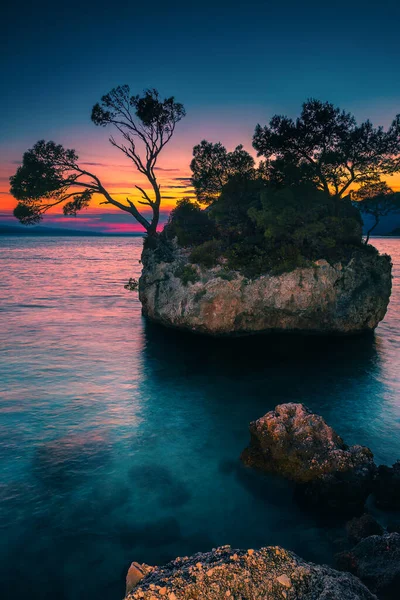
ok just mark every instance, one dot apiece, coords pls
pixel 371 229
pixel 156 208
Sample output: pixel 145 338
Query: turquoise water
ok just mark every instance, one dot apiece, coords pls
pixel 120 441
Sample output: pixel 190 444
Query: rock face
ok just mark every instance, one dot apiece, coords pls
pixel 387 487
pixel 298 444
pixel 322 299
pixel 376 561
pixel 271 573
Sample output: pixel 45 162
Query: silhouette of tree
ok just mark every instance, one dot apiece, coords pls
pixel 213 165
pixel 377 200
pixel 50 175
pixel 326 146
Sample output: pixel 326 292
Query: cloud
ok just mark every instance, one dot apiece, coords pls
pixel 162 169
pixel 186 179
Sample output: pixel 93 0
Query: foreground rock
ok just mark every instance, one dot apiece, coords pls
pixel 376 561
pixel 272 573
pixel 321 299
pixel 387 487
pixel 298 444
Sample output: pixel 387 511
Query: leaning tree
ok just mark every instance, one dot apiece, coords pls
pixel 376 200
pixel 325 145
pixel 50 175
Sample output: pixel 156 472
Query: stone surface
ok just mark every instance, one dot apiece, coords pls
pixel 376 561
pixel 361 527
pixel 322 299
pixel 136 572
pixel 272 573
pixel 296 443
pixel 387 487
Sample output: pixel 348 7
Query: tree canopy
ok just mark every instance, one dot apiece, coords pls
pixel 213 165
pixel 51 175
pixel 327 147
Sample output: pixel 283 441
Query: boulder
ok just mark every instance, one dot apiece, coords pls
pixel 387 487
pixel 342 298
pixel 376 561
pixel 296 443
pixel 361 527
pixel 272 573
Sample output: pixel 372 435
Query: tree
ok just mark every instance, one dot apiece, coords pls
pixel 327 147
pixel 377 200
pixel 213 165
pixel 50 175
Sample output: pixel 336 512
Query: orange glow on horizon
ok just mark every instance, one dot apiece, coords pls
pixel 119 178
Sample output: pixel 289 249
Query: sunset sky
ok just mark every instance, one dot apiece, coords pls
pixel 232 65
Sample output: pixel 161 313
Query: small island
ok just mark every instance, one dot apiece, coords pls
pixel 301 265
pixel 276 247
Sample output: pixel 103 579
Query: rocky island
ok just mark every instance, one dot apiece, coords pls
pixel 265 260
pixel 341 298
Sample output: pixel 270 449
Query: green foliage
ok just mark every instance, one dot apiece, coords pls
pixel 206 254
pixel 213 166
pixel 226 274
pixel 189 224
pixel 266 229
pixel 161 115
pixel 326 146
pixel 44 180
pixel 43 173
pixel 162 248
pixel 187 274
pixel 200 294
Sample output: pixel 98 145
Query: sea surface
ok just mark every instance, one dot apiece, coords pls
pixel 120 441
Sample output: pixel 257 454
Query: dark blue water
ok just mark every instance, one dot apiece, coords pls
pixel 120 441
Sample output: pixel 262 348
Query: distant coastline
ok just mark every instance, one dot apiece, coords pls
pixel 11 230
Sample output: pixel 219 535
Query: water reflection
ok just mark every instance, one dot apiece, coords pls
pixel 120 440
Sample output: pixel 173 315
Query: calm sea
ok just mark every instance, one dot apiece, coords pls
pixel 120 441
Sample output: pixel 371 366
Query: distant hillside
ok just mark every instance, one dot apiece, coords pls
pixel 57 231
pixel 385 227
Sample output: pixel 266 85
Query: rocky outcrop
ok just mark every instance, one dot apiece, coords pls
pixel 296 443
pixel 387 487
pixel 376 561
pixel 343 298
pixel 272 573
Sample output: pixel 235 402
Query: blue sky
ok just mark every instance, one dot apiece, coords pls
pixel 231 64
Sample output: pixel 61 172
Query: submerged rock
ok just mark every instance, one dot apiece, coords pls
pixel 376 561
pixel 348 297
pixel 361 527
pixel 296 443
pixel 272 573
pixel 387 487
